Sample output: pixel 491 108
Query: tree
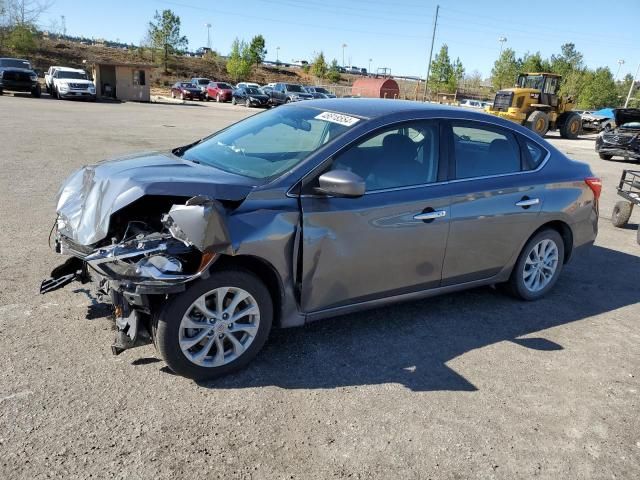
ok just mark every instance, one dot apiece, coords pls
pixel 533 62
pixel 164 33
pixel 474 80
pixel 599 90
pixel 505 69
pixel 568 60
pixel 25 12
pixel 257 52
pixel 21 39
pixel 239 61
pixel 445 75
pixel 319 66
pixel 333 74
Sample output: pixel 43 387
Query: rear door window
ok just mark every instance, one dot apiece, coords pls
pixel 482 150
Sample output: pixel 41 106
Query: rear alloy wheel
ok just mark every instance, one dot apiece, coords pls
pixel 538 266
pixel 233 100
pixel 571 127
pixel 605 156
pixel 538 121
pixel 621 213
pixel 215 327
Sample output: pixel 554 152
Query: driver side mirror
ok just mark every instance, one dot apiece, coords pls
pixel 341 183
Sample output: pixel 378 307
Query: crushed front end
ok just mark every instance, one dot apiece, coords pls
pixel 148 259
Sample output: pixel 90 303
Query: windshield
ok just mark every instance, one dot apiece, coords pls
pixel 73 75
pixel 12 63
pixel 270 143
pixel 294 88
pixel 253 91
pixel 187 85
pixel 321 90
pixel 204 81
pixel 531 81
pixel 225 86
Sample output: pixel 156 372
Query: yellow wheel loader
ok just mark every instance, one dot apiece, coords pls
pixel 534 102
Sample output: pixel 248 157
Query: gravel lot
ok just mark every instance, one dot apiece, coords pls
pixel 470 385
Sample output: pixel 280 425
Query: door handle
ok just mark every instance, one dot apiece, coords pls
pixel 527 202
pixel 426 216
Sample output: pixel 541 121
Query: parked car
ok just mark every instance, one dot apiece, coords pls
pixel 16 75
pixel 266 89
pixel 320 92
pixel 221 91
pixel 186 91
pixel 599 120
pixel 288 92
pixel 250 97
pixel 48 78
pixel 471 103
pixel 201 248
pixel 247 84
pixel 72 83
pixel 201 83
pixel 623 140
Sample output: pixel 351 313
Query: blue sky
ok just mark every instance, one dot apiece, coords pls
pixel 394 33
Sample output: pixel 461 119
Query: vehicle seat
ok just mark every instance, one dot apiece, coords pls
pixel 503 158
pixel 398 165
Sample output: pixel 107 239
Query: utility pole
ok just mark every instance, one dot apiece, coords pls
pixel 501 40
pixel 63 22
pixel 633 84
pixel 208 25
pixel 433 38
pixel 277 54
pixel 369 71
pixel 344 45
pixel 620 63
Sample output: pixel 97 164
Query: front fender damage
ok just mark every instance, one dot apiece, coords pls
pixel 143 263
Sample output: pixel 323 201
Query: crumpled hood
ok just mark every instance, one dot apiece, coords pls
pixel 89 197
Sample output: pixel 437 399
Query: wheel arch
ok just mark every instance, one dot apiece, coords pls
pixel 264 271
pixel 565 232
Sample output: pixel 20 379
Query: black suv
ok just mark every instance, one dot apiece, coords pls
pixel 17 76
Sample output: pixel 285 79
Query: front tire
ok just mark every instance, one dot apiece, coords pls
pixel 571 127
pixel 538 122
pixel 621 213
pixel 247 103
pixel 538 267
pixel 216 326
pixel 605 156
pixel 233 100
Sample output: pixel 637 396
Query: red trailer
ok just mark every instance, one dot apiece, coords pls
pixel 376 88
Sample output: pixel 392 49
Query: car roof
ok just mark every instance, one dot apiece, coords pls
pixel 378 107
pixel 69 69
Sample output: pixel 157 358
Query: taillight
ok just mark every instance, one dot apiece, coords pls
pixel 595 184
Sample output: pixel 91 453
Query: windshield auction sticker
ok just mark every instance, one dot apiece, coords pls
pixel 338 118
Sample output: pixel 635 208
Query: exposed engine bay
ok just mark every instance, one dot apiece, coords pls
pixel 157 254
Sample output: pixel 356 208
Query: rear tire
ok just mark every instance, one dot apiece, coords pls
pixel 233 100
pixel 544 253
pixel 605 156
pixel 538 122
pixel 169 330
pixel 621 213
pixel 571 127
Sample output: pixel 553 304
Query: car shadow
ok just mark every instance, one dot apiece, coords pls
pixel 411 343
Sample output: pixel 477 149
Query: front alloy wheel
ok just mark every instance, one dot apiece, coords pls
pixel 216 326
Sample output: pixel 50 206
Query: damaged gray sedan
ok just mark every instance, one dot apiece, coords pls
pixel 314 210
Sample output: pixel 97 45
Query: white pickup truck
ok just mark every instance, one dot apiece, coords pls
pixel 72 83
pixel 48 78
